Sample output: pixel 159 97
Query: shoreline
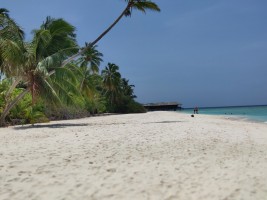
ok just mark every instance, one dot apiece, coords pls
pixel 237 118
pixel 241 118
pixel 156 155
pixel 254 113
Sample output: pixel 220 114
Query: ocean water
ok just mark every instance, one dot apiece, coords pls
pixel 255 113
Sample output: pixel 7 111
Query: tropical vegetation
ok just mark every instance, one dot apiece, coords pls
pixel 51 77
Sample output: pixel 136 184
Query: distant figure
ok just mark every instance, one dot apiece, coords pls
pixel 196 110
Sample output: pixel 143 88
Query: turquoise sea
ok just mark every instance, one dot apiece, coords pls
pixel 255 113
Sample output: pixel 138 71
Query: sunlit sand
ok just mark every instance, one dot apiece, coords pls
pixel 157 155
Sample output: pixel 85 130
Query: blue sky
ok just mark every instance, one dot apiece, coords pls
pixel 204 53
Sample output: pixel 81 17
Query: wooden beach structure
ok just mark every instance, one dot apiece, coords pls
pixel 163 106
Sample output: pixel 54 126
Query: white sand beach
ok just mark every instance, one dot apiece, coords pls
pixel 157 155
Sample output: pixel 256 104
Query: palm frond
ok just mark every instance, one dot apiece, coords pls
pixel 55 35
pixel 4 12
pixel 145 5
pixel 141 5
pixel 8 27
pixel 50 62
pixel 65 74
pixel 10 56
pixel 49 93
pixel 64 92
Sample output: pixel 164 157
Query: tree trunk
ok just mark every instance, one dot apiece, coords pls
pixel 11 105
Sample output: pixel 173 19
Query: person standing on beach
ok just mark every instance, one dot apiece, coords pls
pixel 196 110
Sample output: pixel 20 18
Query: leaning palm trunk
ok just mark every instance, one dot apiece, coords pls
pixel 11 105
pixel 91 44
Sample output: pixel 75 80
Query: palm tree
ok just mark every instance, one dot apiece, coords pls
pixel 90 59
pixel 141 5
pixel 86 69
pixel 90 87
pixel 51 44
pixel 127 89
pixel 111 82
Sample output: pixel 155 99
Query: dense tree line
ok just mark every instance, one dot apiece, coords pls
pixel 51 77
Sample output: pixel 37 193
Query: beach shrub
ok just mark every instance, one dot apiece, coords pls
pixel 128 105
pixel 62 112
pixel 96 105
pixel 23 112
pixel 135 107
pixel 34 115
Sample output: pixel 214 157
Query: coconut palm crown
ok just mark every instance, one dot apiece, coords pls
pixel 141 5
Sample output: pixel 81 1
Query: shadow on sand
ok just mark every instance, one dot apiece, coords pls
pixel 65 125
pixel 59 125
pixel 163 122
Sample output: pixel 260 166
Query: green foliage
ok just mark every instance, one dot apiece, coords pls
pixel 65 112
pixel 23 112
pixel 118 92
pixel 21 109
pixel 3 88
pixel 47 82
pixel 135 107
pixel 35 114
pixel 32 62
pixel 11 42
pixel 128 105
pixel 96 106
pixel 90 59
